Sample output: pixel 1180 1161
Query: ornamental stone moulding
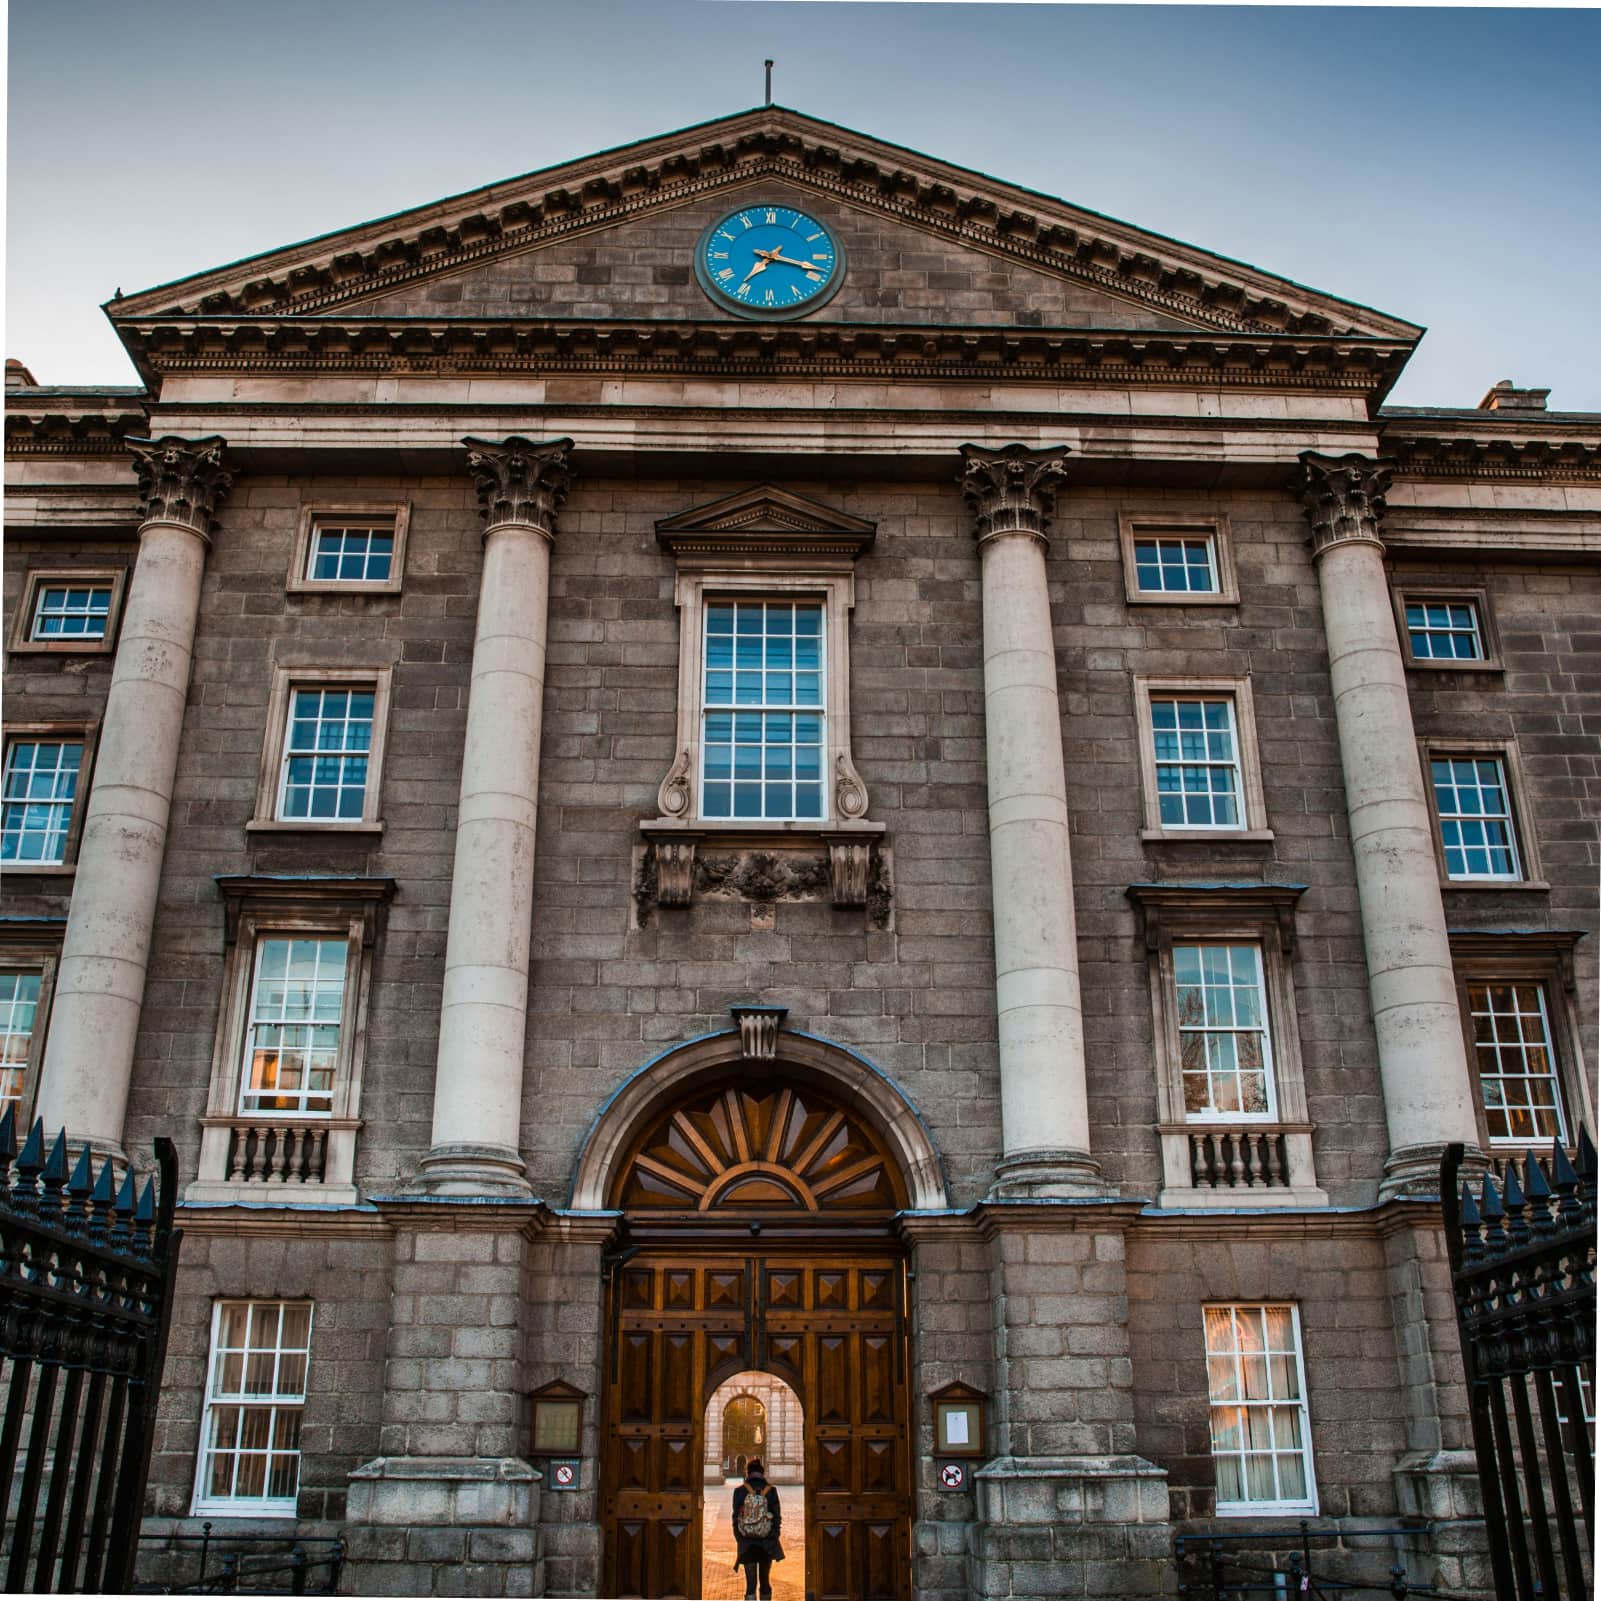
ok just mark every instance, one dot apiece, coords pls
pixel 1343 497
pixel 181 481
pixel 520 482
pixel 764 543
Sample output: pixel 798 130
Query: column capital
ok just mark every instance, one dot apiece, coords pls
pixel 520 481
pixel 181 481
pixel 1011 490
pixel 1343 497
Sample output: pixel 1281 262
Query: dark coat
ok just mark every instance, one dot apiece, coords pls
pixel 768 1547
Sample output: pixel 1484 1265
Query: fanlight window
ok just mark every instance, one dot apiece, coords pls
pixel 773 1148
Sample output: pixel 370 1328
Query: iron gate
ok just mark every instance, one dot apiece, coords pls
pixel 86 1273
pixel 1523 1274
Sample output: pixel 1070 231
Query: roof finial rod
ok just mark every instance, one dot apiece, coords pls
pixel 769 66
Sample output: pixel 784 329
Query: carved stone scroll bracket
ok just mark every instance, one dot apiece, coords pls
pixel 758 1029
pixel 1343 497
pixel 844 866
pixel 849 862
pixel 676 794
pixel 675 871
pixel 1011 490
pixel 181 481
pixel 850 793
pixel 520 481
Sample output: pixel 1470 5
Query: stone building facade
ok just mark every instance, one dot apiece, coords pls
pixel 1184 829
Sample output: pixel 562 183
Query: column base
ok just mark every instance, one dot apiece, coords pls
pixel 443 1526
pixel 474 1170
pixel 1415 1170
pixel 1048 1175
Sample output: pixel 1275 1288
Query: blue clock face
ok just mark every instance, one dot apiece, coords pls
pixel 769 261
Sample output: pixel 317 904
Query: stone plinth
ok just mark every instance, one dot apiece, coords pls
pixel 1070 1526
pixel 445 1525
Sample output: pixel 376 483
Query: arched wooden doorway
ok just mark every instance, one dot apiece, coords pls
pixel 759 1234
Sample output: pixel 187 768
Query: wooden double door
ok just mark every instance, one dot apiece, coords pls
pixel 833 1327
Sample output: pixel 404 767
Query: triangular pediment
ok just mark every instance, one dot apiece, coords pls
pixel 765 521
pixel 989 253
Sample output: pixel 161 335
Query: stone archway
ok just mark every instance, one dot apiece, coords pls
pixel 799 1059
pixel 759 1199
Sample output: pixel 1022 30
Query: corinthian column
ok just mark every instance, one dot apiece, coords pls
pixel 1044 1107
pixel 483 1015
pixel 94 1019
pixel 1428 1095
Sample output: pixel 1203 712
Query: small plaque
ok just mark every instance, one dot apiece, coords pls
pixel 564 1475
pixel 953 1476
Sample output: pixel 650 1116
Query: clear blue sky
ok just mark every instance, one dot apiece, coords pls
pixel 1438 164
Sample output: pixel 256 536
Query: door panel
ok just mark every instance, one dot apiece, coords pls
pixel 836 1333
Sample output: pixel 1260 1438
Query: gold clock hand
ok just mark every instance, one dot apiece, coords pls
pixel 761 266
pixel 805 266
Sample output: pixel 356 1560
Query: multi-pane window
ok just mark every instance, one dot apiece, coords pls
pixel 1444 630
pixel 325 755
pixel 1175 566
pixel 762 745
pixel 341 554
pixel 1517 1070
pixel 255 1395
pixel 1261 1435
pixel 292 1031
pixel 40 785
pixel 1474 804
pixel 1197 761
pixel 1225 1055
pixel 71 611
pixel 19 1001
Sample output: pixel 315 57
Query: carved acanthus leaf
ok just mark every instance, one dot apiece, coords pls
pixel 181 481
pixel 520 481
pixel 1013 489
pixel 1343 497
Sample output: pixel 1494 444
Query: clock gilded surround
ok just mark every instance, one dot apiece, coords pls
pixel 769 262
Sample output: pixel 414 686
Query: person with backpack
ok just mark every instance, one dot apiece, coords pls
pixel 757 1518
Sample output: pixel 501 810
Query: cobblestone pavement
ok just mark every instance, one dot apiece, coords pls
pixel 719 1580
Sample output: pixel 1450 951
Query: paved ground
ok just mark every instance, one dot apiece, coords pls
pixel 720 1581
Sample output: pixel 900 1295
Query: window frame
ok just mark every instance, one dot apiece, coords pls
pixel 1132 526
pixel 251 1020
pixel 1252 799
pixel 1405 594
pixel 202 1504
pixel 1525 840
pixel 1534 956
pixel 85 734
pixel 822 820
pixel 33 945
pixel 270 784
pixel 261 907
pixel 1236 914
pixel 1270 1060
pixel 1307 1507
pixel 40 578
pixel 324 514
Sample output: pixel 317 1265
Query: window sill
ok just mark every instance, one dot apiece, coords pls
pixel 1196 836
pixel 38 869
pixel 306 825
pixel 276 1511
pixel 1429 665
pixel 1537 886
pixel 1144 597
pixel 351 586
pixel 66 647
pixel 843 862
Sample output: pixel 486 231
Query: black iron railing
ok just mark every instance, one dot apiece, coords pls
pixel 1275 1562
pixel 86 1270
pixel 210 1563
pixel 1523 1274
